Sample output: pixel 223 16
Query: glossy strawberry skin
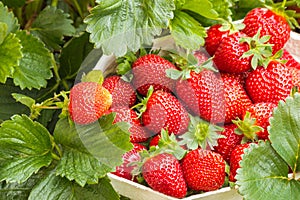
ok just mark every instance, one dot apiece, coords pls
pixel 138 133
pixel 235 158
pixel 237 100
pixel 262 113
pixel 295 72
pixel 122 92
pixel 269 85
pixel 270 23
pixel 227 144
pixel 151 70
pixel 88 102
pixel 203 95
pixel 214 38
pixel 129 157
pixel 203 170
pixel 165 111
pixel 163 173
pixel 228 55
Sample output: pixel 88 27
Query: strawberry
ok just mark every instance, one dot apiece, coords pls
pixel 122 92
pixel 271 23
pixel 163 173
pixel 88 102
pixel 129 157
pixel 203 170
pixel 291 62
pixel 295 72
pixel 214 37
pixel 125 114
pixel 203 94
pixel 261 112
pixel 227 144
pixel 228 56
pixel 269 85
pixel 164 111
pixel 236 98
pixel 151 70
pixel 235 158
pixel 154 141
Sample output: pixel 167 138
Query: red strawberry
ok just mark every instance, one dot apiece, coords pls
pixel 214 37
pixel 125 114
pixel 291 62
pixel 269 85
pixel 270 23
pixel 129 157
pixel 228 55
pixel 236 98
pixel 151 70
pixel 261 112
pixel 163 173
pixel 203 170
pixel 154 141
pixel 164 111
pixel 122 92
pixel 295 72
pixel 88 102
pixel 227 144
pixel 235 158
pixel 203 94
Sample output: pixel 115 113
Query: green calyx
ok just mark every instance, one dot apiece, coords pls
pixel 142 106
pixel 282 9
pixel 93 76
pixel 247 127
pixel 227 25
pixel 259 49
pixel 188 63
pixel 201 133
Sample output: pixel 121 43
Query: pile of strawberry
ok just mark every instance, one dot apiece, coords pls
pixel 189 117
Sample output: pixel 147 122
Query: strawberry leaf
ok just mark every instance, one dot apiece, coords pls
pixel 285 131
pixel 26 146
pixel 51 25
pixel 90 150
pixel 205 10
pixel 187 32
pixel 73 54
pixel 9 19
pixel 58 188
pixel 121 26
pixel 10 55
pixel 3 32
pixel 264 175
pixel 35 66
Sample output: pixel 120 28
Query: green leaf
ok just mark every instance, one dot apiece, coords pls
pixel 14 3
pixel 121 26
pixel 13 191
pixel 81 167
pixel 284 131
pixel 3 32
pixel 26 146
pixel 58 188
pixel 10 55
pixel 73 54
pixel 35 66
pixel 187 32
pixel 9 19
pixel 201 7
pixel 23 99
pixel 51 25
pixel 264 175
pixel 91 151
pixel 105 140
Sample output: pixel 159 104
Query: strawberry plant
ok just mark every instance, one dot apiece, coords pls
pixel 65 126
